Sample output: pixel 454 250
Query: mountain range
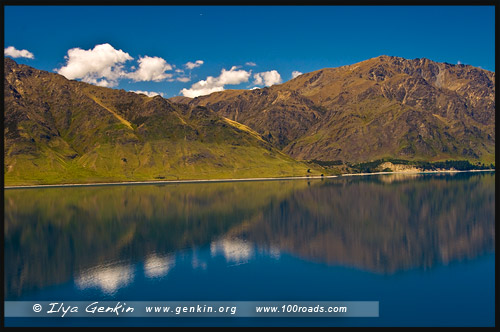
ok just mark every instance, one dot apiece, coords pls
pixel 65 131
pixel 382 107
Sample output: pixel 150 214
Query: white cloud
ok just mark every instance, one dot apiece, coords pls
pixel 233 76
pixel 104 66
pixel 200 90
pixel 258 79
pixel 267 78
pixel 459 62
pixel 13 52
pixel 192 65
pixel 250 63
pixel 296 73
pixel 148 93
pixel 151 69
pixel 103 62
pixel 102 82
pixel 183 79
pixel 214 84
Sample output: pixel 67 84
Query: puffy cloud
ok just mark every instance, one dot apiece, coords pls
pixel 103 62
pixel 148 93
pixel 267 78
pixel 192 65
pixel 200 90
pixel 13 52
pixel 296 73
pixel 102 82
pixel 151 69
pixel 258 79
pixel 233 76
pixel 104 66
pixel 250 63
pixel 214 84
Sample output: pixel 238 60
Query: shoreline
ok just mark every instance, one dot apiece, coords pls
pixel 230 180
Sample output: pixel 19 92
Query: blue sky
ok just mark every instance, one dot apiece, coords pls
pixel 155 48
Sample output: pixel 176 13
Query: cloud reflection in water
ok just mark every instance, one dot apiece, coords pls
pixel 108 278
pixel 156 266
pixel 233 249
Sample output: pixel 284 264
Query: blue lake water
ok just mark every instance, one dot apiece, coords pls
pixel 421 245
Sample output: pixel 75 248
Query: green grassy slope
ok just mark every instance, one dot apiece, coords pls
pixel 61 131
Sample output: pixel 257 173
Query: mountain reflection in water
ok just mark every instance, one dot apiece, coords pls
pixel 384 224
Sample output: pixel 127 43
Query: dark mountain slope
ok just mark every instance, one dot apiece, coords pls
pixel 383 107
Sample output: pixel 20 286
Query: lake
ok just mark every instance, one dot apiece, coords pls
pixel 422 245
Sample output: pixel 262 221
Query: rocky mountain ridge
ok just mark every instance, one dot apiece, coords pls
pixel 382 107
